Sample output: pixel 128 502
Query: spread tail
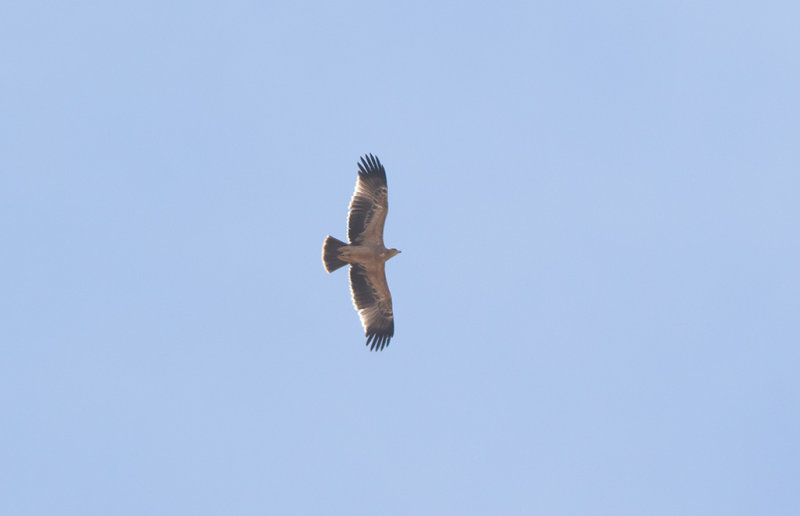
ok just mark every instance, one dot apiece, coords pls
pixel 330 254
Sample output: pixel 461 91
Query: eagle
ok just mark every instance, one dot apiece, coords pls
pixel 366 253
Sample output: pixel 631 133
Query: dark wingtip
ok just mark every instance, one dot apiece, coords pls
pixel 376 341
pixel 371 165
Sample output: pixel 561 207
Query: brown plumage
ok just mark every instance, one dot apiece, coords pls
pixel 366 253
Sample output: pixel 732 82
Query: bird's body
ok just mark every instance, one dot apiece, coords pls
pixel 366 253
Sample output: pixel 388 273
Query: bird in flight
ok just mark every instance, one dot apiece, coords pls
pixel 366 253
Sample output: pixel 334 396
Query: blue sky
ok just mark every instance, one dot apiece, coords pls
pixel 596 305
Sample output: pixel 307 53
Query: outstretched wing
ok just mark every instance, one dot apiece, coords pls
pixel 369 204
pixel 373 301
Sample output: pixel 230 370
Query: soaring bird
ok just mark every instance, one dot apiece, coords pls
pixel 366 253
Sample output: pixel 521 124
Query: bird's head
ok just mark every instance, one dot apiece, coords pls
pixel 393 252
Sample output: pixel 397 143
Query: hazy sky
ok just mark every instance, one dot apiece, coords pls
pixel 597 306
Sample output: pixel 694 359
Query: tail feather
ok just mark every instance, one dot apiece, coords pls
pixel 330 254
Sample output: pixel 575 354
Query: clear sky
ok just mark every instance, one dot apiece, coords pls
pixel 597 306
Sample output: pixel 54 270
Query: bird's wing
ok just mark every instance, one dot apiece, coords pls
pixel 373 301
pixel 369 204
